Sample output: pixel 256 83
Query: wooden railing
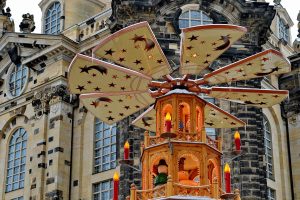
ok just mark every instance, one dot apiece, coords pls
pixel 171 189
pixel 183 136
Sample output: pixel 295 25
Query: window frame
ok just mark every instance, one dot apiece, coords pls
pixel 269 194
pixel 190 18
pixel 15 69
pixel 101 191
pixel 13 150
pixel 52 9
pixel 99 146
pixel 283 30
pixel 268 148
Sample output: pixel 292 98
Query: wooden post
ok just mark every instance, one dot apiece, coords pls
pixel 237 194
pixel 146 139
pixel 220 143
pixel 203 136
pixel 170 189
pixel 215 188
pixel 133 192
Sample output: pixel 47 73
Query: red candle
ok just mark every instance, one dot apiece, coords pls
pixel 168 122
pixel 237 140
pixel 227 178
pixel 116 186
pixel 126 150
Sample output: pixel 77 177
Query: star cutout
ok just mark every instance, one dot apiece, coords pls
pixel 123 88
pixel 95 104
pixel 159 61
pixel 80 88
pixel 105 105
pixel 208 55
pixel 115 76
pixel 97 89
pixel 187 61
pixel 121 114
pixel 124 50
pixel 127 107
pixel 138 62
pixel 265 59
pixel 121 59
pixel 206 62
pixel 244 95
pixel 110 118
pixel 260 94
pixel 137 38
pixel 109 52
pixel 276 96
pixel 227 72
pixel 249 64
pixel 233 123
pixel 189 47
pixel 141 68
pixel 213 44
pixel 239 70
pixel 193 38
pixel 137 106
pixel 85 69
pixel 112 85
pixel 94 75
pixel 110 112
pixel 127 76
pixel 210 124
pixel 226 118
pixel 89 82
pixel 120 100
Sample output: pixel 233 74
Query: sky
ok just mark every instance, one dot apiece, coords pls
pixel 20 7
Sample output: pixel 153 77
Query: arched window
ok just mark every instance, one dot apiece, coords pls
pixel 268 147
pixel 52 19
pixel 17 79
pixel 105 146
pixel 16 160
pixel 193 18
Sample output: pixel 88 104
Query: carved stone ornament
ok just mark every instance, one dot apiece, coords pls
pixel 42 99
pixel 27 25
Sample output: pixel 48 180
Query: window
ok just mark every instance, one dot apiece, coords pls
pixel 105 146
pixel 271 194
pixel 52 19
pixel 193 18
pixel 103 190
pixel 17 80
pixel 268 148
pixel 16 161
pixel 18 198
pixel 283 30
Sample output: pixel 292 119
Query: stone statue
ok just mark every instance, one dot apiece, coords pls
pixel 2 4
pixel 27 25
pixel 296 43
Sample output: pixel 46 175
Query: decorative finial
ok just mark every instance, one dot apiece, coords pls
pixel 277 2
pixel 27 25
pixel 296 43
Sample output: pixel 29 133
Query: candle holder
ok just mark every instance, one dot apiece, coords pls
pixel 126 162
pixel 227 196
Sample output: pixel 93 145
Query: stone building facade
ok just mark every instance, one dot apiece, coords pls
pixel 53 148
